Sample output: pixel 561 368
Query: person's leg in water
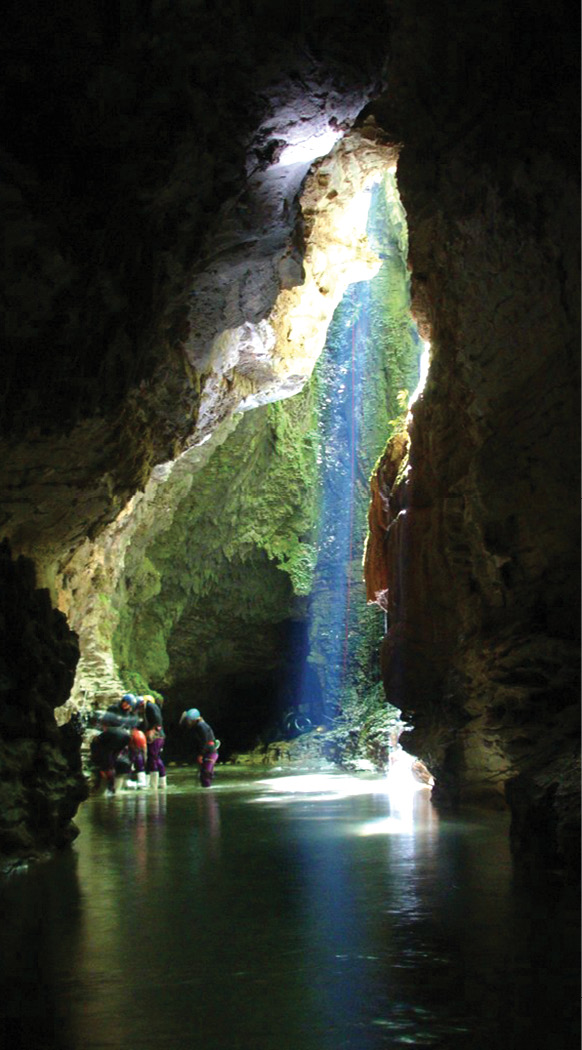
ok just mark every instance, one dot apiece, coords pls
pixel 155 765
pixel 139 768
pixel 207 769
pixel 121 769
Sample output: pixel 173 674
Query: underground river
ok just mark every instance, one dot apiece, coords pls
pixel 279 912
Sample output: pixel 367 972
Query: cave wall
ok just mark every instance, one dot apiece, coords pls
pixel 476 549
pixel 41 782
pixel 206 597
pixel 136 162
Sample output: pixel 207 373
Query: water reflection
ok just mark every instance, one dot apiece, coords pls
pixel 295 915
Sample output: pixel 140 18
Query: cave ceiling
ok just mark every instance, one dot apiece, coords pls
pixel 150 245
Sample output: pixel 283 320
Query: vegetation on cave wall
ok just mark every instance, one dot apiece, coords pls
pixel 236 557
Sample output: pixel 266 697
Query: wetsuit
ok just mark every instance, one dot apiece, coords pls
pixel 206 749
pixel 107 753
pixel 116 715
pixel 153 727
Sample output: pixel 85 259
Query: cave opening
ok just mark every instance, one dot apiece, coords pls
pixel 235 581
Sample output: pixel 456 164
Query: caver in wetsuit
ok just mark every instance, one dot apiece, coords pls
pixel 117 716
pixel 107 753
pixel 206 744
pixel 153 727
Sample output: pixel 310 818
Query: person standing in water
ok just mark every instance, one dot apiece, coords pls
pixel 153 727
pixel 206 744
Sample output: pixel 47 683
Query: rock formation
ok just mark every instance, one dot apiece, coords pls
pixel 41 783
pixel 474 549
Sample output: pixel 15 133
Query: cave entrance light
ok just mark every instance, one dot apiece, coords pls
pixel 372 351
pixel 307 149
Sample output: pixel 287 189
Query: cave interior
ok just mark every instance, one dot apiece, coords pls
pixel 185 263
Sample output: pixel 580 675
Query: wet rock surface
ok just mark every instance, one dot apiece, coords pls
pixel 476 556
pixel 146 212
pixel 41 783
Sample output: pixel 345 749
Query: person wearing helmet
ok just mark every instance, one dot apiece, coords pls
pixel 109 753
pixel 138 755
pixel 120 714
pixel 206 744
pixel 152 725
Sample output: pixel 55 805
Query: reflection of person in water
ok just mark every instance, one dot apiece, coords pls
pixel 206 744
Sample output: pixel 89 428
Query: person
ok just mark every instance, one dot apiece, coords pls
pixel 121 714
pixel 153 727
pixel 126 705
pixel 109 753
pixel 206 744
pixel 138 756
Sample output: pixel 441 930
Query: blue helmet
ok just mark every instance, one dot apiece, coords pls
pixel 128 698
pixel 191 715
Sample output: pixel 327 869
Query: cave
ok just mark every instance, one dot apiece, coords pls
pixel 175 258
pixel 186 259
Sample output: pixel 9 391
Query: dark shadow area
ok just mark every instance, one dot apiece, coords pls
pixel 251 708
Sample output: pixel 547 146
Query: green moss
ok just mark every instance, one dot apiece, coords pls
pixel 239 551
pixel 137 684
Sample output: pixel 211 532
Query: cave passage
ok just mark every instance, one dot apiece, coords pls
pixel 284 912
pixel 236 583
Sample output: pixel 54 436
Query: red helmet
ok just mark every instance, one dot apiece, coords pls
pixel 138 740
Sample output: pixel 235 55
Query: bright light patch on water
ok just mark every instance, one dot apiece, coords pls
pixel 401 788
pixel 315 786
pixel 402 783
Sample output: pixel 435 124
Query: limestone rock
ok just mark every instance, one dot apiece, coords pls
pixel 475 554
pixel 41 783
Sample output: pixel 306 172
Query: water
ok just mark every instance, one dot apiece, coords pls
pixel 276 913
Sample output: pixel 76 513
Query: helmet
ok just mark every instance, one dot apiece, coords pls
pixel 191 715
pixel 138 740
pixel 139 701
pixel 128 698
pixel 148 699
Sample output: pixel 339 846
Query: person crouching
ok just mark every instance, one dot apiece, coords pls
pixel 138 756
pixel 206 744
pixel 109 754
